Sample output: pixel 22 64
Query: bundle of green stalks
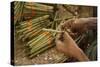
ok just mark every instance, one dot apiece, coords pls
pixel 34 31
pixel 18 10
pixel 40 43
pixel 37 39
pixel 39 7
pixel 30 28
pixel 33 10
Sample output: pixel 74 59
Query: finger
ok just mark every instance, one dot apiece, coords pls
pixel 66 36
pixel 68 24
pixel 58 42
pixel 68 39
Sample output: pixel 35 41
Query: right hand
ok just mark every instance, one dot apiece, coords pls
pixel 68 46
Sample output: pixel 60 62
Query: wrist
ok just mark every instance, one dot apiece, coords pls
pixel 82 56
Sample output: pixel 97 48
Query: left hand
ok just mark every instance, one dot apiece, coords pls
pixel 81 25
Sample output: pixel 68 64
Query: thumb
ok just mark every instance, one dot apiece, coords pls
pixel 58 42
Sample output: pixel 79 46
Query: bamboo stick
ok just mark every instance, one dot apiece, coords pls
pixel 41 50
pixel 33 50
pixel 36 33
pixel 17 10
pixel 16 5
pixel 37 19
pixel 28 34
pixel 31 29
pixel 51 30
pixel 34 39
pixel 20 13
pixel 33 25
pixel 37 25
pixel 39 5
pixel 25 36
pixel 40 38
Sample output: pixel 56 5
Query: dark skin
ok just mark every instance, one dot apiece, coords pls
pixel 81 25
pixel 67 45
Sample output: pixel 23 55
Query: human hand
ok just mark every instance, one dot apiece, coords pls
pixel 67 45
pixel 81 25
